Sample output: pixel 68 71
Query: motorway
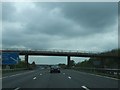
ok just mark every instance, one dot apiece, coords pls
pixel 41 78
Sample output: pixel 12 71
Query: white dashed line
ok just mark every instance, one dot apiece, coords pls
pixel 34 78
pixel 40 74
pixel 17 88
pixel 84 87
pixel 69 77
pixel 64 73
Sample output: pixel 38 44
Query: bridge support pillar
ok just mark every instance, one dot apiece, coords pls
pixel 26 60
pixel 68 61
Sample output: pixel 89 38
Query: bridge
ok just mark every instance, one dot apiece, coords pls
pixel 67 53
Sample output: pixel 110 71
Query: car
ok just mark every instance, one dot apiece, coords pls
pixel 55 69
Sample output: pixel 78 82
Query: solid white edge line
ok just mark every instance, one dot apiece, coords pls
pixel 98 75
pixel 104 76
pixel 16 74
pixel 4 77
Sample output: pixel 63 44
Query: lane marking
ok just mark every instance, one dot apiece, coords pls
pixel 40 74
pixel 17 88
pixel 84 87
pixel 98 75
pixel 34 78
pixel 104 76
pixel 20 74
pixel 69 77
pixel 4 77
pixel 64 73
pixel 16 75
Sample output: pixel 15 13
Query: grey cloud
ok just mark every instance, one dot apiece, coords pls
pixel 8 12
pixel 91 14
pixel 60 25
pixel 92 17
pixel 95 15
pixel 25 40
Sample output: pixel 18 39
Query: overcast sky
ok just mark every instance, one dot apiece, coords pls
pixel 67 26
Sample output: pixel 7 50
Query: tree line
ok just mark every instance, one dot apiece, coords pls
pixel 97 62
pixel 21 64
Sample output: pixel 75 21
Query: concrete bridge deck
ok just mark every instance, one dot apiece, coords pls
pixel 62 53
pixel 68 54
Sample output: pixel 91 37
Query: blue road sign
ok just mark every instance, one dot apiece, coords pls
pixel 10 58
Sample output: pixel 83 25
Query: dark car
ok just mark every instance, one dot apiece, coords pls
pixel 54 69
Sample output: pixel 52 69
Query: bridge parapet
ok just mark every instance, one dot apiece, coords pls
pixel 50 50
pixel 56 52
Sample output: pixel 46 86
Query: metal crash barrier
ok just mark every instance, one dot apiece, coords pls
pixel 103 71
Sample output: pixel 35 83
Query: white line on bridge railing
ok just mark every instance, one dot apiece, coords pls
pixel 53 50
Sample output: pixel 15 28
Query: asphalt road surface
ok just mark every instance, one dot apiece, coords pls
pixel 66 79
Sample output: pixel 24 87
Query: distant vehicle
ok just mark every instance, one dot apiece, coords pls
pixel 55 69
